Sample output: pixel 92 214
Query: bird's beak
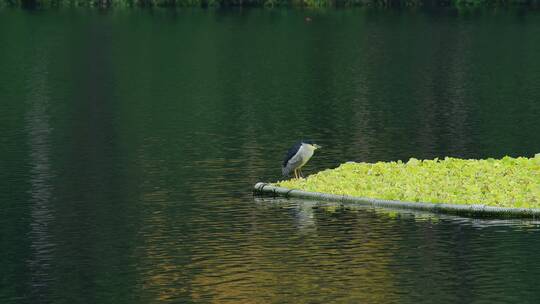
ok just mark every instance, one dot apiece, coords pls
pixel 317 146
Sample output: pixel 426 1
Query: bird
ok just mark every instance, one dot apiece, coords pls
pixel 297 156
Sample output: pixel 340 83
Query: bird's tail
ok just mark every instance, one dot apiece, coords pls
pixel 286 171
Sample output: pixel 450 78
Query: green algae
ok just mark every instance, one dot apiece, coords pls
pixel 506 182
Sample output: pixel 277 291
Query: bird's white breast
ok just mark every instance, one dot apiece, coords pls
pixel 305 153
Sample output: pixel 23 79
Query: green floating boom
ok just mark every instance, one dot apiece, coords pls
pixel 507 187
pixel 483 211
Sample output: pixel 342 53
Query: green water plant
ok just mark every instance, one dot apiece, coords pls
pixel 506 182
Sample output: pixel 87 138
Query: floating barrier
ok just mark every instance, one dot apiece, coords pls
pixel 483 211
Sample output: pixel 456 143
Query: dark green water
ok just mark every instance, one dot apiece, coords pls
pixel 130 140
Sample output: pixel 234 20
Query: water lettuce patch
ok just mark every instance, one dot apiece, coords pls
pixel 506 182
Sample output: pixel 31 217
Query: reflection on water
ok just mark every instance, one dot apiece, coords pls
pixel 41 213
pixel 418 250
pixel 127 162
pixel 161 274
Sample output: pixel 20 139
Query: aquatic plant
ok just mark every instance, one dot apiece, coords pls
pixel 506 182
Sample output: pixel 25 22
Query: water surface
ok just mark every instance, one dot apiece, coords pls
pixel 130 140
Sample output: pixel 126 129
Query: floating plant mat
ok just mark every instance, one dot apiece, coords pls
pixel 507 182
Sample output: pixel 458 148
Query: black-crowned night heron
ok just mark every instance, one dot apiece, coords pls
pixel 297 156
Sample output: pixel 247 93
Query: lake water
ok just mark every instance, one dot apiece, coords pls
pixel 130 141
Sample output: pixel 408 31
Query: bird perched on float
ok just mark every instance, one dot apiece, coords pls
pixel 297 156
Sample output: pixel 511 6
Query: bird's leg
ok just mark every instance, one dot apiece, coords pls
pixel 295 174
